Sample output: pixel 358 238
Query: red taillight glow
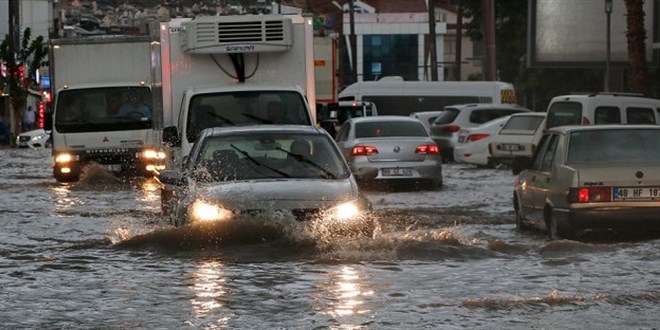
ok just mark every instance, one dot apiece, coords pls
pixel 590 195
pixel 451 129
pixel 476 137
pixel 363 151
pixel 427 149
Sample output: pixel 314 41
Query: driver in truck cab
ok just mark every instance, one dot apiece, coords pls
pixel 133 107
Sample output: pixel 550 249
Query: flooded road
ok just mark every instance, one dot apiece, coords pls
pixel 98 254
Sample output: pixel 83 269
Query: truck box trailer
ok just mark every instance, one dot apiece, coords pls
pixel 233 70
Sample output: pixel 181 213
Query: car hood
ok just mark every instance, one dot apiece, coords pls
pixel 279 194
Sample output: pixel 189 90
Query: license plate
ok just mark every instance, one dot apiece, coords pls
pixel 397 171
pixel 112 167
pixel 461 139
pixel 511 147
pixel 646 193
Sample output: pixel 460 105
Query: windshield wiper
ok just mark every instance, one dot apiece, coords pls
pixel 258 163
pixel 305 160
pixel 224 119
pixel 257 118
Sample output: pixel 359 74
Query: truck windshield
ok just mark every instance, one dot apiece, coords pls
pixel 245 108
pixel 103 109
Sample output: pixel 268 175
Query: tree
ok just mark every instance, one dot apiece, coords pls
pixel 21 68
pixel 636 47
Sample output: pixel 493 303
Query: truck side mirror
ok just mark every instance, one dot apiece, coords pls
pixel 171 136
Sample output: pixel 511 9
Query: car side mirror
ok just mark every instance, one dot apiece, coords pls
pixel 172 177
pixel 366 173
pixel 171 136
pixel 520 164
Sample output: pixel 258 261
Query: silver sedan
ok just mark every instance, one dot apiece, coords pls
pixel 399 147
pixel 270 170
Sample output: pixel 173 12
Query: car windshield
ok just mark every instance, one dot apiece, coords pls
pixel 268 156
pixel 389 129
pixel 614 146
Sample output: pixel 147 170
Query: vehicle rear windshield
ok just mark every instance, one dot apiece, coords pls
pixel 614 146
pixel 522 125
pixel 447 116
pixel 480 116
pixel 389 129
pixel 564 113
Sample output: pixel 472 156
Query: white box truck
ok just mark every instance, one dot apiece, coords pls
pixel 103 109
pixel 233 70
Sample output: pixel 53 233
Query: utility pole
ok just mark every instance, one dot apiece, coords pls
pixel 459 41
pixel 489 27
pixel 608 14
pixel 434 49
pixel 354 74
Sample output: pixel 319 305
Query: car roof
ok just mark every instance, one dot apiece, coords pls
pixel 612 96
pixel 575 128
pixel 388 118
pixel 219 131
pixel 487 106
pixel 533 114
pixel 426 113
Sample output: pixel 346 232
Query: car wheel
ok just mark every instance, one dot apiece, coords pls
pixel 520 220
pixel 555 232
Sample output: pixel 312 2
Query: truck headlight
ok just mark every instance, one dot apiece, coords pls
pixel 66 158
pixel 205 211
pixel 153 154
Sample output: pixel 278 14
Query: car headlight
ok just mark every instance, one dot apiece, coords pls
pixel 346 211
pixel 39 137
pixel 204 211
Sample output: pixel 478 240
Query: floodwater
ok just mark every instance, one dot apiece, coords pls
pixel 98 254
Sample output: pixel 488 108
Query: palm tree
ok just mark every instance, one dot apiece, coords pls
pixel 31 56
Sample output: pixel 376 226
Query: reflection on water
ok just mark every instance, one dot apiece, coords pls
pixel 209 292
pixel 63 201
pixel 150 190
pixel 347 292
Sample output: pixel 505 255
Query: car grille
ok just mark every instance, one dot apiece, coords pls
pixel 299 214
pixel 23 138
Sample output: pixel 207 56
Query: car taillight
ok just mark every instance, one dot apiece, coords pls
pixel 427 149
pixel 590 195
pixel 585 120
pixel 363 151
pixel 476 137
pixel 450 129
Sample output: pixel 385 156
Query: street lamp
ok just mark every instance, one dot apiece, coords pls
pixel 608 14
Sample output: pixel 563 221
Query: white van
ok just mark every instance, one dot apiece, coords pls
pixel 395 96
pixel 602 108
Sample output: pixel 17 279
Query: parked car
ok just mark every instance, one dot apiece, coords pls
pixel 472 145
pixel 37 138
pixel 426 117
pixel 398 146
pixel 518 137
pixel 446 127
pixel 590 178
pixel 234 172
pixel 602 108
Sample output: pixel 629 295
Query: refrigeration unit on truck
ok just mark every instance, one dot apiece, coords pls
pixel 103 110
pixel 234 70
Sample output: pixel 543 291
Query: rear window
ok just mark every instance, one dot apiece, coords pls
pixel 388 129
pixel 614 146
pixel 640 116
pixel 522 125
pixel 564 113
pixel 480 116
pixel 447 116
